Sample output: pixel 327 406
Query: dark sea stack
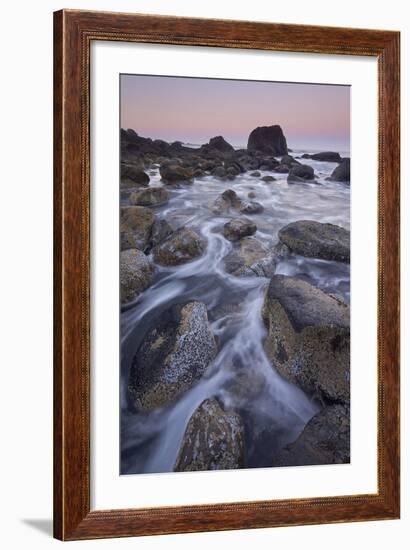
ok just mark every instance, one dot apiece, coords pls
pixel 312 239
pixel 342 172
pixel 300 173
pixel 172 357
pixel 326 156
pixel 269 140
pixel 213 440
pixel 324 440
pixel 151 196
pixel 308 338
pixel 136 273
pixel 181 247
pixel 220 144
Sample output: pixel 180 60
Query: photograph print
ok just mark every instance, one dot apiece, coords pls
pixel 234 274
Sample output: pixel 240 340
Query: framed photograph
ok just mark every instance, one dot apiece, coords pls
pixel 226 288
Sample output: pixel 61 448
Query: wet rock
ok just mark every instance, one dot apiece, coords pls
pixel 213 440
pixel 263 267
pixel 127 240
pixel 252 195
pixel 151 196
pixel 342 172
pixel 317 240
pixel 137 221
pixel 136 273
pixel 161 230
pixel 308 338
pixel 172 173
pixel 269 140
pixel 282 169
pixel 325 156
pixel 252 260
pixel 238 228
pixel 182 246
pixel 255 174
pixel 324 440
pixel 251 207
pixel 267 179
pixel 301 173
pixel 219 172
pixel 288 160
pixel 220 144
pixel 133 175
pixel 172 357
pixel 226 200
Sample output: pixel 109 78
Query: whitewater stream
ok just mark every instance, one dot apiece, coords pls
pixel 274 411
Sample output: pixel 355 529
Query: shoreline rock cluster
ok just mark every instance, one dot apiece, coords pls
pixel 308 330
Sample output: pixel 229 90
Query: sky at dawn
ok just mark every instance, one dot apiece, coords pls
pixel 192 110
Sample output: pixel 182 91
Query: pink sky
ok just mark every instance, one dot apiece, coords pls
pixel 312 116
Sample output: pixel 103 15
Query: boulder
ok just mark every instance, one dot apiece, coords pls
pixel 214 440
pixel 136 274
pixel 172 357
pixel 180 247
pixel 342 172
pixel 282 169
pixel 220 144
pixel 151 196
pixel 219 172
pixel 237 228
pixel 288 160
pixel 308 338
pixel 324 440
pixel 252 250
pixel 138 222
pixel 326 156
pixel 251 207
pixel 127 240
pixel 269 140
pixel 161 230
pixel 252 260
pixel 255 174
pixel 301 173
pixel 226 200
pixel 134 175
pixel 317 240
pixel 172 173
pixel 267 179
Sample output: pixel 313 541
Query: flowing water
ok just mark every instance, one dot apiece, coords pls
pixel 274 411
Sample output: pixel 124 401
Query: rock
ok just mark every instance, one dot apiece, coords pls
pixel 161 230
pixel 252 260
pixel 268 139
pixel 173 173
pixel 151 196
pixel 288 160
pixel 219 172
pixel 213 440
pixel 226 200
pixel 301 173
pixel 127 240
pixel 220 144
pixel 182 246
pixel 342 172
pixel 324 440
pixel 134 174
pixel 317 240
pixel 136 273
pixel 282 169
pixel 251 195
pixel 137 221
pixel 251 250
pixel 267 179
pixel 326 156
pixel 255 174
pixel 251 207
pixel 238 228
pixel 308 338
pixel 172 357
pixel 263 267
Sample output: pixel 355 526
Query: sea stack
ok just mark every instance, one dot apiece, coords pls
pixel 269 140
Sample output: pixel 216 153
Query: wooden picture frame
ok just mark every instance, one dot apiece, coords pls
pixel 74 32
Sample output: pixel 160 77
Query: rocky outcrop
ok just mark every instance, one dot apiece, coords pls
pixel 269 140
pixel 225 201
pixel 288 160
pixel 172 357
pixel 180 247
pixel 136 222
pixel 300 173
pixel 151 196
pixel 160 231
pixel 237 228
pixel 213 440
pixel 325 156
pixel 133 175
pixel 342 172
pixel 136 274
pixel 172 173
pixel 324 440
pixel 317 240
pixel 217 144
pixel 308 338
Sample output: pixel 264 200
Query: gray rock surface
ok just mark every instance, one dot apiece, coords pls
pixel 237 228
pixel 136 273
pixel 137 221
pixel 180 247
pixel 151 196
pixel 342 172
pixel 268 139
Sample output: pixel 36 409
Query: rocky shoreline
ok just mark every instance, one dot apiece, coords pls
pixel 305 329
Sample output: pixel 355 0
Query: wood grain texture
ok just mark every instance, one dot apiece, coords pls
pixel 73 33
